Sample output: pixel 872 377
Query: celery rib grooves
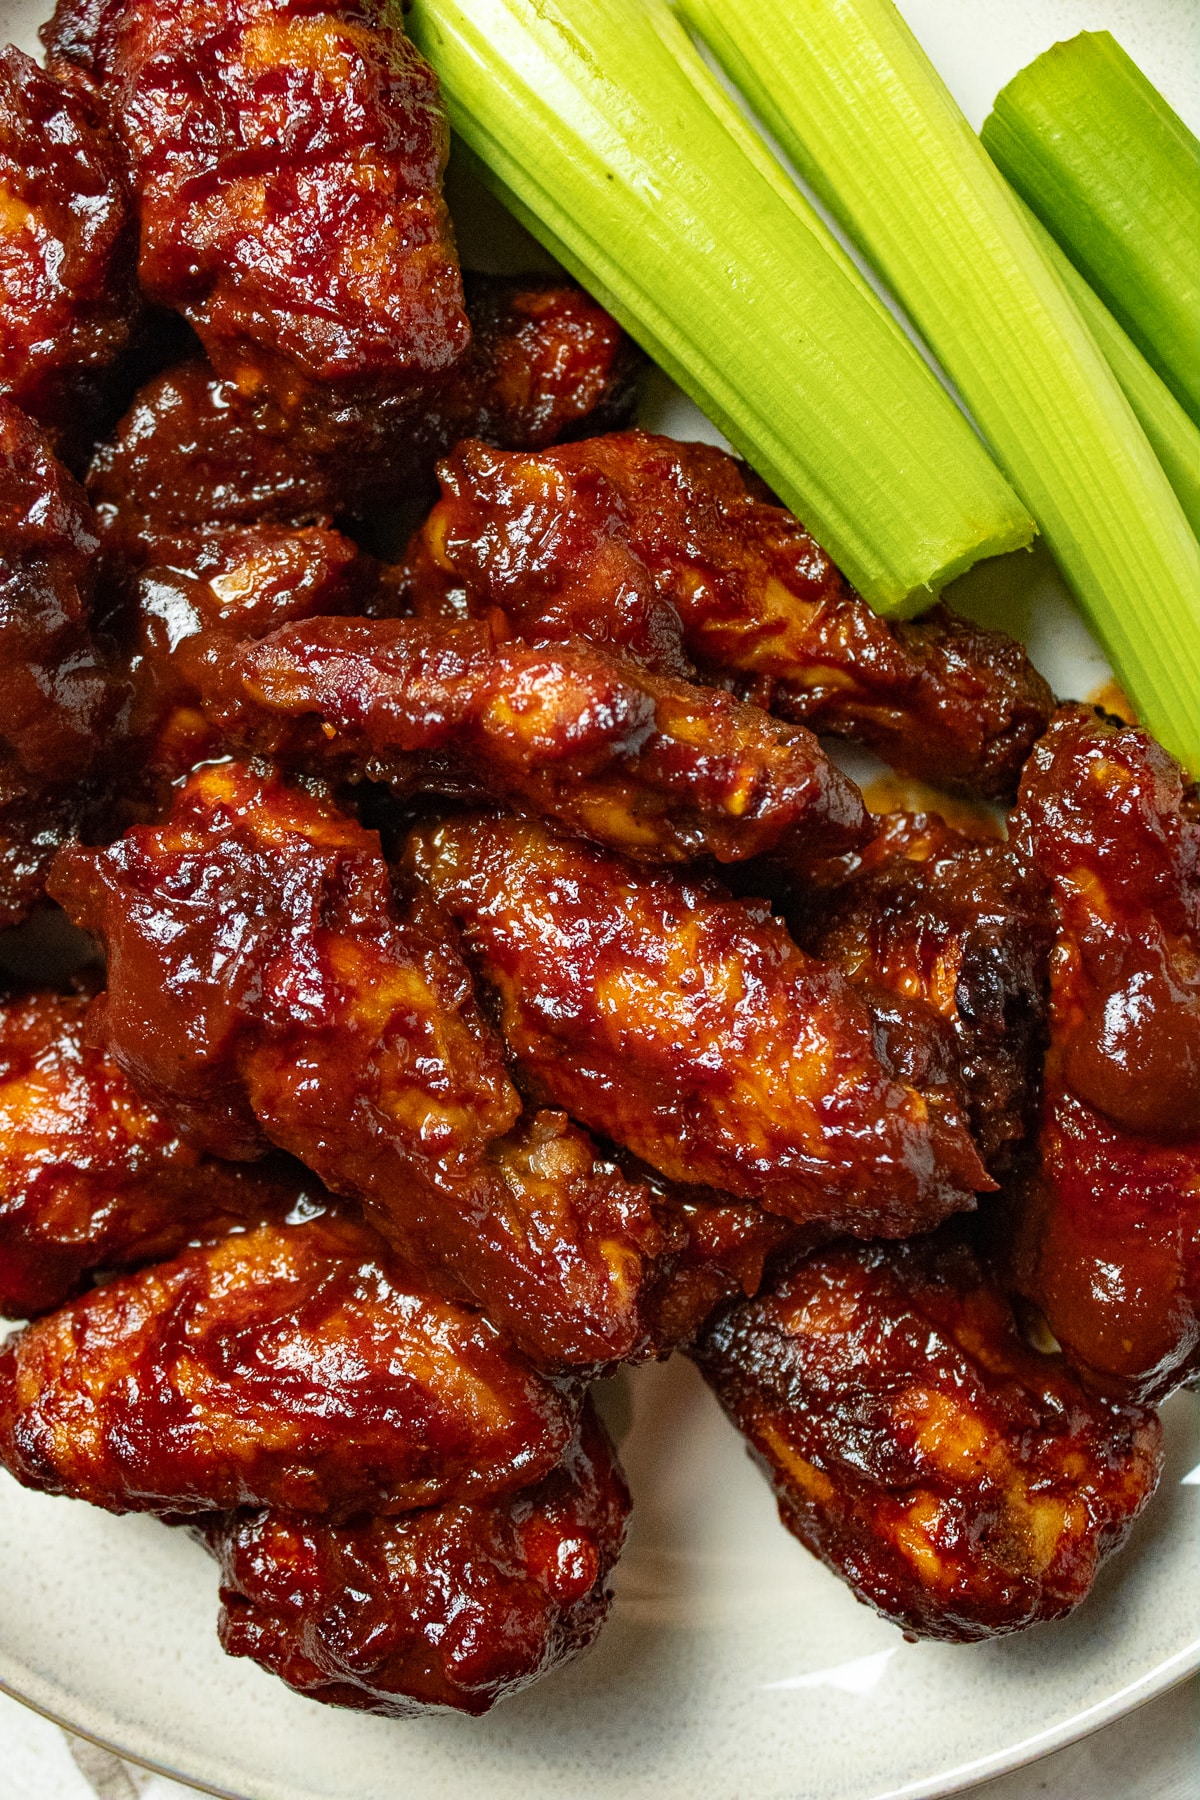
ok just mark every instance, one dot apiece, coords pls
pixel 855 102
pixel 1114 174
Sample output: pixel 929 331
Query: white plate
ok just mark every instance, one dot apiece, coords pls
pixel 734 1665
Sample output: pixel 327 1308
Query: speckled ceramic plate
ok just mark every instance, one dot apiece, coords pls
pixel 734 1667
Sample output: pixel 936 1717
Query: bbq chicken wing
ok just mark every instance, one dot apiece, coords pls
pixel 294 1366
pixel 287 163
pixel 91 1175
pixel 674 550
pixel 67 253
pixel 957 923
pixel 1106 1241
pixel 589 1260
pixel 454 1607
pixel 254 941
pixel 721 1251
pixel 688 1027
pixel 545 363
pixel 56 695
pixel 962 1484
pixel 180 611
pixel 266 986
pixel 655 767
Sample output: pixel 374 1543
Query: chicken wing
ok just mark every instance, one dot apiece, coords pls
pixel 267 986
pixel 287 159
pixel 957 923
pixel 454 1607
pixel 962 1484
pixel 56 696
pixel 91 1176
pixel 688 1027
pixel 295 1366
pixel 721 1250
pixel 68 249
pixel 673 550
pixel 181 609
pixel 655 767
pixel 545 363
pixel 1106 1239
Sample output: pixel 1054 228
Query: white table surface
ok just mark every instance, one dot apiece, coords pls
pixel 1154 1754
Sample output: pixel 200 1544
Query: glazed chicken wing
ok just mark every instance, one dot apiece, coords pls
pixel 655 767
pixel 454 1607
pixel 254 944
pixel 674 550
pixel 287 163
pixel 294 1366
pixel 545 363
pixel 180 611
pixel 688 1027
pixel 721 1250
pixel 67 253
pixel 91 1175
pixel 1107 1239
pixel 267 986
pixel 962 1484
pixel 56 697
pixel 957 923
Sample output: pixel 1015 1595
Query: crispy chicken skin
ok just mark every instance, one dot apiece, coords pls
pixel 295 1366
pixel 91 1175
pixel 675 550
pixel 266 986
pixel 454 1608
pixel 962 1484
pixel 545 362
pixel 957 923
pixel 1106 1241
pixel 646 764
pixel 67 252
pixel 287 163
pixel 688 1027
pixel 56 696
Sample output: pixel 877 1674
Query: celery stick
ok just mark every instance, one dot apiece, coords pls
pixel 622 153
pixel 852 97
pixel 1114 174
pixel 1173 438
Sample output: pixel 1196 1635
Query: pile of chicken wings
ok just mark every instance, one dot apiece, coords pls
pixel 499 982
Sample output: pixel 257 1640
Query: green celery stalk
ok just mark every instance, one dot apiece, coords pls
pixel 1172 436
pixel 599 120
pixel 1114 174
pixel 851 96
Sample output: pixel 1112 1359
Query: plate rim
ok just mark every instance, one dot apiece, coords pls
pixel 1153 1685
